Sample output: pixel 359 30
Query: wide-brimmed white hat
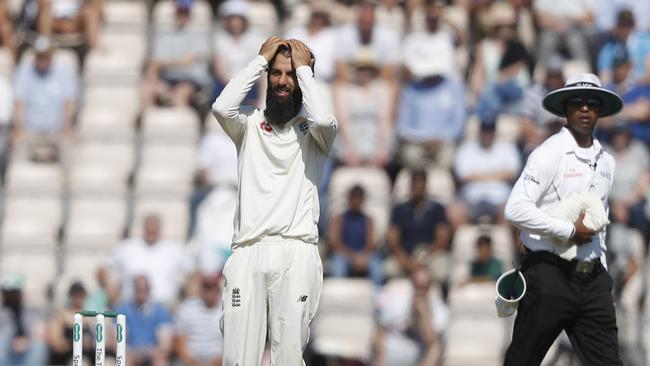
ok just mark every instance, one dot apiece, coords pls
pixel 582 85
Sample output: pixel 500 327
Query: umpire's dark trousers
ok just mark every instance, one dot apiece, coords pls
pixel 558 296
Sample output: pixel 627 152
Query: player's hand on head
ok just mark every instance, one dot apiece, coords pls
pixel 270 47
pixel 582 234
pixel 300 54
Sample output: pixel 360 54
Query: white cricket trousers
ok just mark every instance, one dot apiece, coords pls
pixel 270 284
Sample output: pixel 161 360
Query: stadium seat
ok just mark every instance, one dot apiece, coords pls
pixel 440 185
pixel 130 14
pixel 173 211
pixel 32 220
pixel 6 62
pixel 25 176
pixel 118 60
pixel 38 266
pixel 95 221
pixel 201 15
pixel 101 168
pixel 344 324
pixel 166 168
pixel 476 336
pixel 109 112
pixel 178 125
pixel 377 186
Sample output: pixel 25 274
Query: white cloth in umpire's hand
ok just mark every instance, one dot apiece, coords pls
pixel 569 209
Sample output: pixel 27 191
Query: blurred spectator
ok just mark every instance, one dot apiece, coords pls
pixel 608 10
pixel 165 263
pixel 410 325
pixel 353 246
pixel 430 119
pixel 419 232
pixel 636 98
pixel 60 325
pixel 45 104
pixel 637 44
pixel 486 170
pixel 499 73
pixel 217 169
pixel 7 38
pixel 421 48
pixel 149 340
pixel 104 296
pixel 534 117
pixel 6 115
pixel 390 14
pixel 363 107
pixel 631 181
pixel 179 65
pixel 235 45
pixel 68 17
pixel 485 266
pixel 321 38
pixel 22 331
pixel 384 43
pixel 198 339
pixel 616 39
pixel 564 23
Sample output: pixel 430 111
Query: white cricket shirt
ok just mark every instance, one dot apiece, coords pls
pixel 279 168
pixel 554 170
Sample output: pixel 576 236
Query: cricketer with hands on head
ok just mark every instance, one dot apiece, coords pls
pixel 274 276
pixel 568 287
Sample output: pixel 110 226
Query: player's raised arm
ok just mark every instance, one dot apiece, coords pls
pixel 324 127
pixel 226 107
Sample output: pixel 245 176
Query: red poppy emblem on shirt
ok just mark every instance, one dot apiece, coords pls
pixel 265 126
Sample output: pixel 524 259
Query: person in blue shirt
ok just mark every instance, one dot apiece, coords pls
pixel 419 232
pixel 626 34
pixel 352 242
pixel 149 327
pixel 430 120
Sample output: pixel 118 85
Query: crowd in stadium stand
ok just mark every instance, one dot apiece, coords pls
pixel 119 187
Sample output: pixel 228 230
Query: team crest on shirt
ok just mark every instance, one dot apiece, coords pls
pixel 265 126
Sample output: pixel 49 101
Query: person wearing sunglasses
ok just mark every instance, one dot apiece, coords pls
pixel 563 262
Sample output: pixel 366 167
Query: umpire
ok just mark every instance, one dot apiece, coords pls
pixel 568 287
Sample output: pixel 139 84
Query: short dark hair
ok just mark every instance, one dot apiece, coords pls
pixel 625 18
pixel 285 51
pixel 357 190
pixel 418 174
pixel 484 240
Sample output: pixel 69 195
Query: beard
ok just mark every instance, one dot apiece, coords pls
pixel 280 110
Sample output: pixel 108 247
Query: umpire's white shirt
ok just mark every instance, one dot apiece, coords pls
pixel 279 168
pixel 554 170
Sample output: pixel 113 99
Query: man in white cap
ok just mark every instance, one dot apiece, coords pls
pixel 568 287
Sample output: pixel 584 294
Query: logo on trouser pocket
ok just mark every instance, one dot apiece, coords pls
pixel 236 298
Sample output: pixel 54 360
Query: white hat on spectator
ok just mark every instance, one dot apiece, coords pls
pixel 42 44
pixel 234 8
